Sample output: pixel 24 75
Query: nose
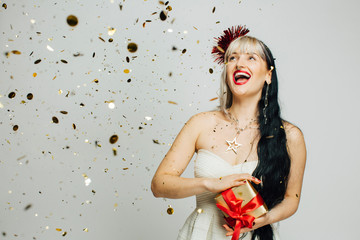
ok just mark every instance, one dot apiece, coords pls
pixel 240 63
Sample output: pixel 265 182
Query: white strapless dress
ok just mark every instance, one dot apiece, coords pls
pixel 205 222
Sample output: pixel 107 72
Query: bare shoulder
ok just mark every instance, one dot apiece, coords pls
pixel 293 133
pixel 204 119
pixel 295 143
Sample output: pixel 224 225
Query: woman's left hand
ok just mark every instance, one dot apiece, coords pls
pixel 258 222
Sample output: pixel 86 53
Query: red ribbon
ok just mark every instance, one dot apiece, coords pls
pixel 237 214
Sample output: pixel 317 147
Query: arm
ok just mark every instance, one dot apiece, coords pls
pixel 297 151
pixel 167 181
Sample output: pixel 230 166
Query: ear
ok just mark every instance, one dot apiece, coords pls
pixel 268 75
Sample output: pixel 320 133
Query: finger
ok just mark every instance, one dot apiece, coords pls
pixel 228 228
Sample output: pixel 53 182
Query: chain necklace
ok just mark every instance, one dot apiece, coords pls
pixel 233 145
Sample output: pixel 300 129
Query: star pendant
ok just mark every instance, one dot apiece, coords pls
pixel 232 145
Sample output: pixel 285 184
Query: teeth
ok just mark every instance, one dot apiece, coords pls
pixel 242 74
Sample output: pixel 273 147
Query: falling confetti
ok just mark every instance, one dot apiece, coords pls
pixel 86 230
pixel 12 95
pixel 63 61
pixel 132 47
pixel 15 127
pixel 170 210
pixel 4 5
pixel 16 52
pixel 55 120
pixel 183 51
pixel 28 207
pixel 213 99
pixel 64 112
pixel 126 71
pixel 111 31
pixel 163 16
pixel 111 40
pixel 211 70
pixel 114 151
pixel 37 61
pixel 29 96
pixel 113 139
pixel 171 102
pixel 34 74
pixel 72 20
pixel 200 210
pixel 111 105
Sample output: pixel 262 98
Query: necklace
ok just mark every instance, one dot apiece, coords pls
pixel 233 145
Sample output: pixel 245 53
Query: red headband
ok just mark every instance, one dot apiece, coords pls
pixel 224 41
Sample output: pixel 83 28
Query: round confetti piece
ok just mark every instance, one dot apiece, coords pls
pixel 113 139
pixel 126 70
pixel 72 20
pixel 55 120
pixel 211 70
pixel 34 74
pixel 170 210
pixel 132 47
pixel 163 16
pixel 29 96
pixel 12 95
pixel 15 127
pixel 111 40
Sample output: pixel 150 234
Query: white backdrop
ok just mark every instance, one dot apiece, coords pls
pixel 63 180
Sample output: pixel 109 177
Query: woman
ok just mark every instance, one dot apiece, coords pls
pixel 245 140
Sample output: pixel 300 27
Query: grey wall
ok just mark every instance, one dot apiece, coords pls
pixel 45 167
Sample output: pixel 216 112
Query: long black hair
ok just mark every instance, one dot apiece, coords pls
pixel 274 161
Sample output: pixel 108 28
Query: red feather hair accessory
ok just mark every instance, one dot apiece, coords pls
pixel 224 41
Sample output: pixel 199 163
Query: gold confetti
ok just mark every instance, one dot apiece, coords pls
pixel 86 230
pixel 111 40
pixel 55 120
pixel 15 127
pixel 213 10
pixel 132 47
pixel 29 96
pixel 64 234
pixel 16 52
pixel 27 207
pixel 125 168
pixel 12 95
pixel 111 31
pixel 58 229
pixel 114 151
pixel 113 139
pixel 37 61
pixel 170 210
pixel 4 5
pixel 63 61
pixel 126 70
pixel 34 74
pixel 211 70
pixel 156 141
pixel 64 112
pixel 101 39
pixel 163 16
pixel 72 20
pixel 213 99
pixel 169 8
pixel 74 126
pixel 183 51
pixel 200 210
pixel 171 102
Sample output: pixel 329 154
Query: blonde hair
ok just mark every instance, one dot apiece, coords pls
pixel 245 44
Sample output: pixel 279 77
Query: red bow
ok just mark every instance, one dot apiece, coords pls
pixel 237 214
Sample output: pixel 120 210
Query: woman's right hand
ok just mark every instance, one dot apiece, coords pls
pixel 216 185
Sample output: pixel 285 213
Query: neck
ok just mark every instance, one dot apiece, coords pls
pixel 244 110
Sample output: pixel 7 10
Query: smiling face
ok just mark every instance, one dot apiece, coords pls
pixel 246 69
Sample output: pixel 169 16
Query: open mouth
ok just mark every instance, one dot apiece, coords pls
pixel 241 77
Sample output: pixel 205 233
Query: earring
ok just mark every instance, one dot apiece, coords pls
pixel 266 102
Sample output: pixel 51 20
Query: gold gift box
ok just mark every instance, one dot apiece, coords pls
pixel 245 192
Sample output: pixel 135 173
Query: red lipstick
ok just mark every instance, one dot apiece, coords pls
pixel 241 77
